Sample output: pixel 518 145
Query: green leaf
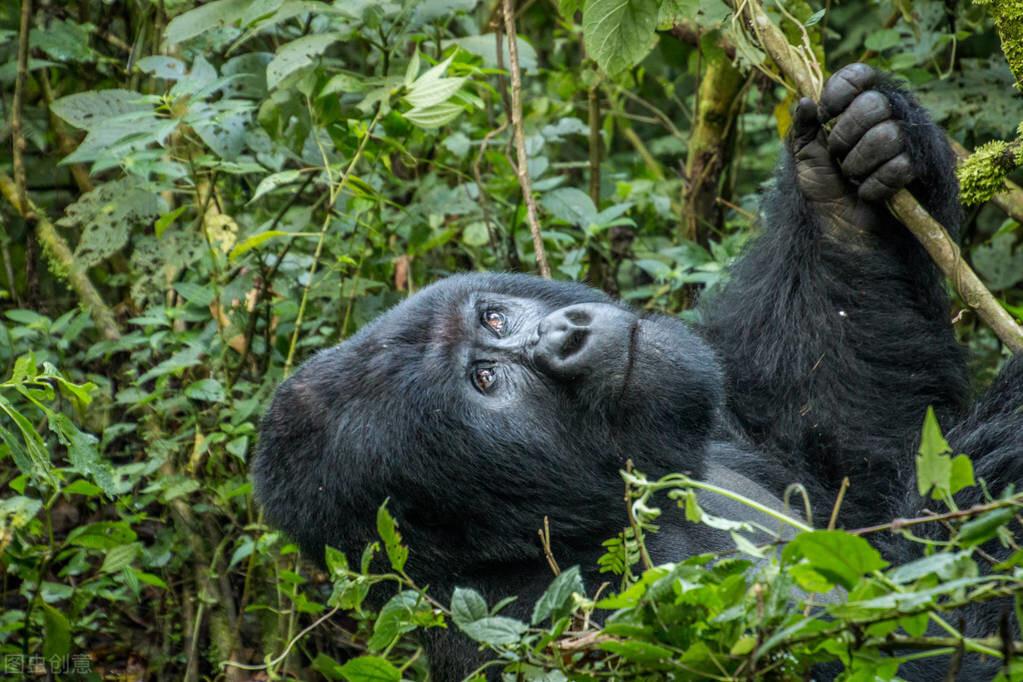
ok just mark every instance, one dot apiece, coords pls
pixel 255 240
pixel 962 474
pixel 619 33
pixel 432 88
pixel 297 54
pixel 933 464
pixel 495 630
pixel 96 107
pixel 194 293
pixel 485 47
pixel 397 617
pixel 195 22
pixel 467 605
pixel 839 557
pixel 167 219
pixel 434 116
pixel 881 40
pixel 57 631
pixel 275 180
pixel 369 669
pixel 570 205
pixel 981 529
pixel 119 557
pixel 107 216
pixel 558 597
pixel 387 528
pixel 207 390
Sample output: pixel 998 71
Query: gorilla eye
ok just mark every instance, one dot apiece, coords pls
pixel 494 319
pixel 484 378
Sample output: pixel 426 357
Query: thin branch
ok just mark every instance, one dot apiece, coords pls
pixel 335 192
pixel 63 260
pixel 899 524
pixel 795 64
pixel 522 169
pixel 17 129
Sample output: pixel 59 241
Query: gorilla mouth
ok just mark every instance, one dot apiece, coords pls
pixel 630 358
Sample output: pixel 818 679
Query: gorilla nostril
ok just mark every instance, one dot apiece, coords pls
pixel 577 316
pixel 573 343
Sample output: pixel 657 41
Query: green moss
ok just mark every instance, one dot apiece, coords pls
pixel 983 174
pixel 1008 16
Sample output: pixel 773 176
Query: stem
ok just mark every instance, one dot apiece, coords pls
pixel 335 191
pixel 684 481
pixel 522 170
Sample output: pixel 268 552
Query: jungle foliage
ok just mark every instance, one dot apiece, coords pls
pixel 198 196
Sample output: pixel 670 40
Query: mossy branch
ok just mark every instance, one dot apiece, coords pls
pixel 983 174
pixel 796 67
pixel 62 261
pixel 1008 16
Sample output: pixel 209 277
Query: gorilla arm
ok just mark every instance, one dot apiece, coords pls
pixel 833 330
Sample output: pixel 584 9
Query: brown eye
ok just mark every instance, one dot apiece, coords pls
pixel 495 320
pixel 484 378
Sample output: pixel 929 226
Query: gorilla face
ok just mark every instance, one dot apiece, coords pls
pixel 479 406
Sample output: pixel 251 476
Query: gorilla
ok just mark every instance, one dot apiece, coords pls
pixel 487 402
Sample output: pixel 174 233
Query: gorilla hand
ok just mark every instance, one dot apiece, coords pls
pixel 861 159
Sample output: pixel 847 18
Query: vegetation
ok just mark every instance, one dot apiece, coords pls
pixel 196 197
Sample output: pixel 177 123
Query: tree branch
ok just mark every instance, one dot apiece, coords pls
pixel 63 261
pixel 521 167
pixel 942 248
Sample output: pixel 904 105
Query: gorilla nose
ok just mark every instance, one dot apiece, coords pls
pixel 582 339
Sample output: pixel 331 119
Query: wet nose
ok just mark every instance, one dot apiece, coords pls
pixel 580 339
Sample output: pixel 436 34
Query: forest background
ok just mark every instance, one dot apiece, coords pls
pixel 197 197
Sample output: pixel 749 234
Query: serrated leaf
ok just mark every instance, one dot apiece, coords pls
pixel 387 528
pixel 619 33
pixel 933 464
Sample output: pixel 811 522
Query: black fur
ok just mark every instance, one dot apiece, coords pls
pixel 816 362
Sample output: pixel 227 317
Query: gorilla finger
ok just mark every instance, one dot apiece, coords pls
pixel 877 146
pixel 888 179
pixel 866 111
pixel 842 88
pixel 805 124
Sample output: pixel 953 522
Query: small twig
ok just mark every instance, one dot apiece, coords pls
pixel 287 650
pixel 838 503
pixel 522 169
pixel 545 540
pixel 637 532
pixel 335 192
pixel 899 524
